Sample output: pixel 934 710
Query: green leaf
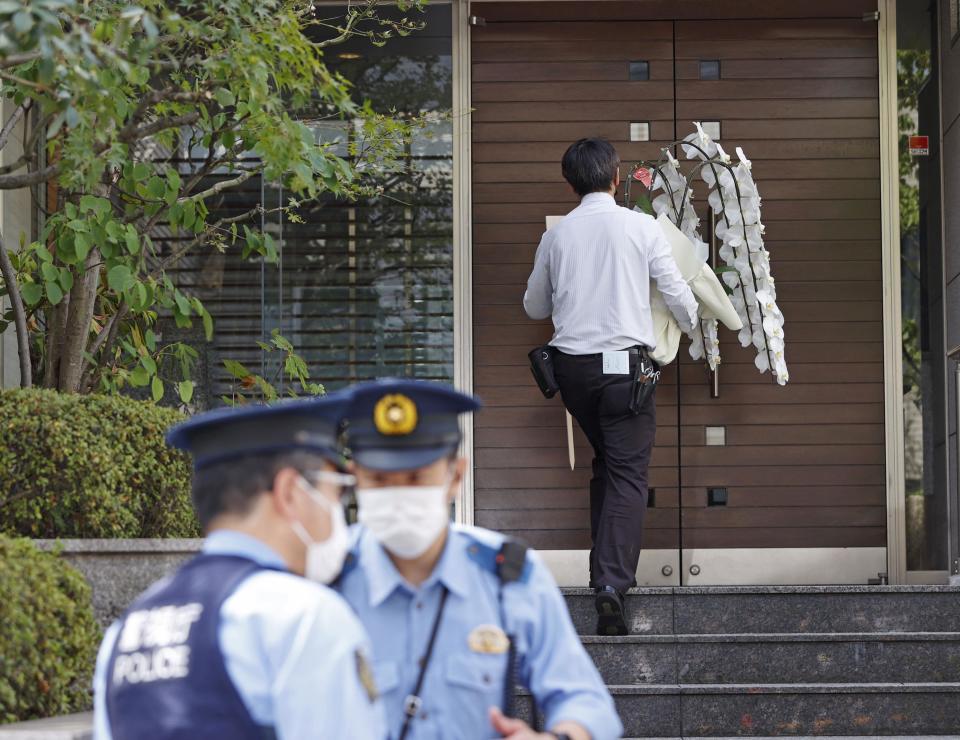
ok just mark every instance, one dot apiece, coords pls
pixel 31 293
pixel 189 215
pixel 141 171
pixel 66 279
pixel 185 389
pixel 139 377
pixel 43 253
pixel 49 271
pixel 143 295
pixel 150 339
pixel 207 325
pixel 156 389
pixel 132 239
pixel 224 97
pixel 78 224
pixel 119 278
pixel 173 180
pixel 182 303
pixel 149 364
pixel 66 249
pixel 644 204
pixel 82 245
pixel 156 187
pixel 100 206
pixel 54 292
pixel 236 369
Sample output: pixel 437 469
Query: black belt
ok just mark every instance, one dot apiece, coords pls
pixel 635 351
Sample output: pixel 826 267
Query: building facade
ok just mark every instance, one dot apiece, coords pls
pixel 847 474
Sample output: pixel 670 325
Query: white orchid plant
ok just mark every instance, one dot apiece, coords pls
pixel 735 208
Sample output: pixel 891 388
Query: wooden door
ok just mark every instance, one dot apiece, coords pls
pixel 803 466
pixel 536 88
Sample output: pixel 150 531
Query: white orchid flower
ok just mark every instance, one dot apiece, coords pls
pixel 735 203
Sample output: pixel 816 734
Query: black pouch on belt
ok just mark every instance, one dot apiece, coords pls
pixel 541 365
pixel 646 374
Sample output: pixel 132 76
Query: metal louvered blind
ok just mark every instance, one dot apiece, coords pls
pixel 365 289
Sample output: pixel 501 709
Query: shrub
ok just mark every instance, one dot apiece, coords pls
pixel 50 637
pixel 90 466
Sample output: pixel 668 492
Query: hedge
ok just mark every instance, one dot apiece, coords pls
pixel 90 466
pixel 50 637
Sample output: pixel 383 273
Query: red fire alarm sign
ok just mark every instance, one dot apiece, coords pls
pixel 919 146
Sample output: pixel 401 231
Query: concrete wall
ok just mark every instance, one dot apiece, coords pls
pixel 950 148
pixel 16 221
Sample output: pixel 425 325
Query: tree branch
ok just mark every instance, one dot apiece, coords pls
pixel 14 182
pixel 15 60
pixel 161 124
pixel 222 185
pixel 202 238
pixel 19 316
pixel 105 339
pixel 12 122
pixel 348 30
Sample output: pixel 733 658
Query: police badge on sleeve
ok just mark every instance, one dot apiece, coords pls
pixel 365 674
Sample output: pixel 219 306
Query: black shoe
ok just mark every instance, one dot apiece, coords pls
pixel 611 612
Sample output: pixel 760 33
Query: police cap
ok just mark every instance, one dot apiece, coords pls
pixel 404 424
pixel 296 424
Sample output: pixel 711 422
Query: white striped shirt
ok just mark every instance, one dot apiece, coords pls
pixel 592 274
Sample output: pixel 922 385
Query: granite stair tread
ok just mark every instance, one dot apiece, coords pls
pixel 750 610
pixel 780 688
pixel 773 637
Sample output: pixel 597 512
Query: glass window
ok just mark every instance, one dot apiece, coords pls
pixel 362 289
pixel 921 279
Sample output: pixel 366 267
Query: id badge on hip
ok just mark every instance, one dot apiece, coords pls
pixel 616 363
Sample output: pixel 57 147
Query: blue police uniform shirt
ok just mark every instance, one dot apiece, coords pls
pixel 290 648
pixel 466 674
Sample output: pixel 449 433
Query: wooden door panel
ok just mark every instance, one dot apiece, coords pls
pixel 537 87
pixel 803 466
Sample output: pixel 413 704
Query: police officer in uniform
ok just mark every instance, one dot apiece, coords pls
pixel 238 643
pixel 459 616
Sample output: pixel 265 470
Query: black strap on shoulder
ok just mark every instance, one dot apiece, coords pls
pixel 412 704
pixel 511 561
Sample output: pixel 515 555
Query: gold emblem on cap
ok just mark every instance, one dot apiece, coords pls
pixel 395 414
pixel 488 639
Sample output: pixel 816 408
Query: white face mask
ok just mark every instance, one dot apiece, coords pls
pixel 406 520
pixel 324 559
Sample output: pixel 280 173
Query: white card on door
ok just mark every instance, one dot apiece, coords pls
pixel 616 363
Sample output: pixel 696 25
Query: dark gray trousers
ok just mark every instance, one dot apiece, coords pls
pixel 622 445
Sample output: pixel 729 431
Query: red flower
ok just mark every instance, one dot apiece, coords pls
pixel 642 174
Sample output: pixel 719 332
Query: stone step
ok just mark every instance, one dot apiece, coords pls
pixel 868 657
pixel 778 609
pixel 751 710
pixel 66 727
